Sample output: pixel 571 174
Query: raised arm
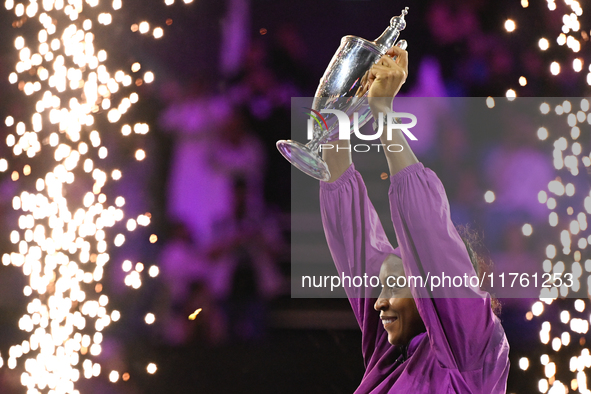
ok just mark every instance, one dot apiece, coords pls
pixel 461 326
pixel 355 236
pixel 429 242
pixel 386 78
pixel 338 158
pixel 358 245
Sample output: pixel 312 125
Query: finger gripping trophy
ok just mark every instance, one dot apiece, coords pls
pixel 338 90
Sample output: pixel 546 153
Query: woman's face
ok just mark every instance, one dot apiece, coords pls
pixel 397 308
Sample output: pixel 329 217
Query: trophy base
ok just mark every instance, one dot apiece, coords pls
pixel 304 159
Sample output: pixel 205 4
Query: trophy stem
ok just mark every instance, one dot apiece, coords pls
pixel 305 158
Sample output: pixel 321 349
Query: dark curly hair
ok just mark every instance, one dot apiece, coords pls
pixel 473 242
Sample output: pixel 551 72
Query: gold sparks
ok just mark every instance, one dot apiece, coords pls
pixel 62 241
pixel 566 158
pixel 193 315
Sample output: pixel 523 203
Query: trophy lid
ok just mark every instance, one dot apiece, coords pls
pixel 398 21
pixel 390 35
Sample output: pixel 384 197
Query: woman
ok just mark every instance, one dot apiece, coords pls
pixel 442 341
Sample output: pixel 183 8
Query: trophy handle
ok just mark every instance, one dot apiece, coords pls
pixel 305 158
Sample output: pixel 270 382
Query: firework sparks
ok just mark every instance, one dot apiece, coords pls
pixel 62 240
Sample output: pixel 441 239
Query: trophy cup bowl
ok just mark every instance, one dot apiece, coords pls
pixel 338 90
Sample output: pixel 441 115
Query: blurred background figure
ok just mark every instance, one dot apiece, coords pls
pixel 246 275
pixel 187 275
pixel 237 153
pixel 197 193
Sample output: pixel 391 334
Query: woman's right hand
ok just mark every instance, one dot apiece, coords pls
pixel 385 78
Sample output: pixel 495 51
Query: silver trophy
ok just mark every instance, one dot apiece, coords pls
pixel 338 90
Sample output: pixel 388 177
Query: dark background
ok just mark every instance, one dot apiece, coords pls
pixel 306 345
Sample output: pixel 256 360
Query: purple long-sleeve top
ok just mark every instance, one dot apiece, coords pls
pixel 464 349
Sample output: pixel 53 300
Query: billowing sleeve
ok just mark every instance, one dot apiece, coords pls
pixel 358 245
pixel 460 324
